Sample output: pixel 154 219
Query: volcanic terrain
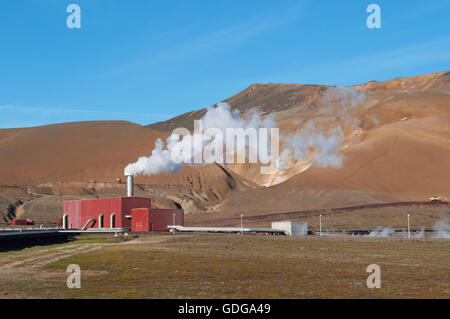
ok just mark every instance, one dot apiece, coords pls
pixel 396 148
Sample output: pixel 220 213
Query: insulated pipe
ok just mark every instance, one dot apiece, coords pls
pixel 87 223
pixel 130 186
pixel 46 225
pixel 64 221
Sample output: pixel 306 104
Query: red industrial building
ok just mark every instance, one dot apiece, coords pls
pixel 145 219
pixel 104 212
pixel 119 212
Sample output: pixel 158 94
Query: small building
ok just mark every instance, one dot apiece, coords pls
pixel 291 228
pixel 155 219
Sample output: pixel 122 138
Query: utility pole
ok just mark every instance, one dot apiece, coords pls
pixel 242 226
pixel 173 215
pixel 320 225
pixel 409 228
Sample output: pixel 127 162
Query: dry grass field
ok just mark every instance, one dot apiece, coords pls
pixel 229 266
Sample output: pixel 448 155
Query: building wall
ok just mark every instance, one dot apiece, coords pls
pixel 299 229
pixel 140 219
pixel 156 219
pixel 291 228
pixel 161 218
pixel 72 214
pixel 130 203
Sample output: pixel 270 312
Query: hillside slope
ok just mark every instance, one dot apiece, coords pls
pixel 396 147
pixel 41 164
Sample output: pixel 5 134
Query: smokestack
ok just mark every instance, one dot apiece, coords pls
pixel 130 186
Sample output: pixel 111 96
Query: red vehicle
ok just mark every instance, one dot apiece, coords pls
pixel 22 222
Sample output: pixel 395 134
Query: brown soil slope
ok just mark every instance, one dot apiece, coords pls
pixel 407 155
pixel 82 151
pixel 409 160
pixel 273 98
pixel 400 148
pixel 55 160
pixel 77 151
pixel 404 154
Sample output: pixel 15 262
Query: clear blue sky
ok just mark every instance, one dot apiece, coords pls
pixel 145 61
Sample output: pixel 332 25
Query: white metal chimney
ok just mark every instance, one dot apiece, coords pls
pixel 130 186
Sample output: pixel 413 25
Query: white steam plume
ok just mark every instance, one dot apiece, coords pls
pixel 159 162
pixel 322 148
pixel 319 147
pixel 220 117
pixel 442 229
pixel 340 101
pixel 381 232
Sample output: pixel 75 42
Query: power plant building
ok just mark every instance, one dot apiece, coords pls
pixel 131 212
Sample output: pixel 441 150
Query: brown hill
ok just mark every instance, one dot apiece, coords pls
pixel 407 155
pixel 272 98
pixel 399 149
pixel 77 151
pixel 409 160
pixel 58 160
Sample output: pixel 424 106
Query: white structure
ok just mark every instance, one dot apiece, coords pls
pixel 130 186
pixel 237 230
pixel 64 222
pixel 291 228
pixel 112 220
pixel 101 220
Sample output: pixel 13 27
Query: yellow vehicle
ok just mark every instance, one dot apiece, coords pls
pixel 438 199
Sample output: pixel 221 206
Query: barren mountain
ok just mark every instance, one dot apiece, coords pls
pixel 399 146
pixel 396 147
pixel 305 98
pixel 83 160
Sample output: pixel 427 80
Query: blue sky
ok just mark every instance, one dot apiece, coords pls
pixel 146 61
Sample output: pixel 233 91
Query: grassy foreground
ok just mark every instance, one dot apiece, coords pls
pixel 233 266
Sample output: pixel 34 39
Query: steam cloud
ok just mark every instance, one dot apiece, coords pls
pixel 440 230
pixel 159 162
pixel 324 146
pixel 321 148
pixel 220 117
